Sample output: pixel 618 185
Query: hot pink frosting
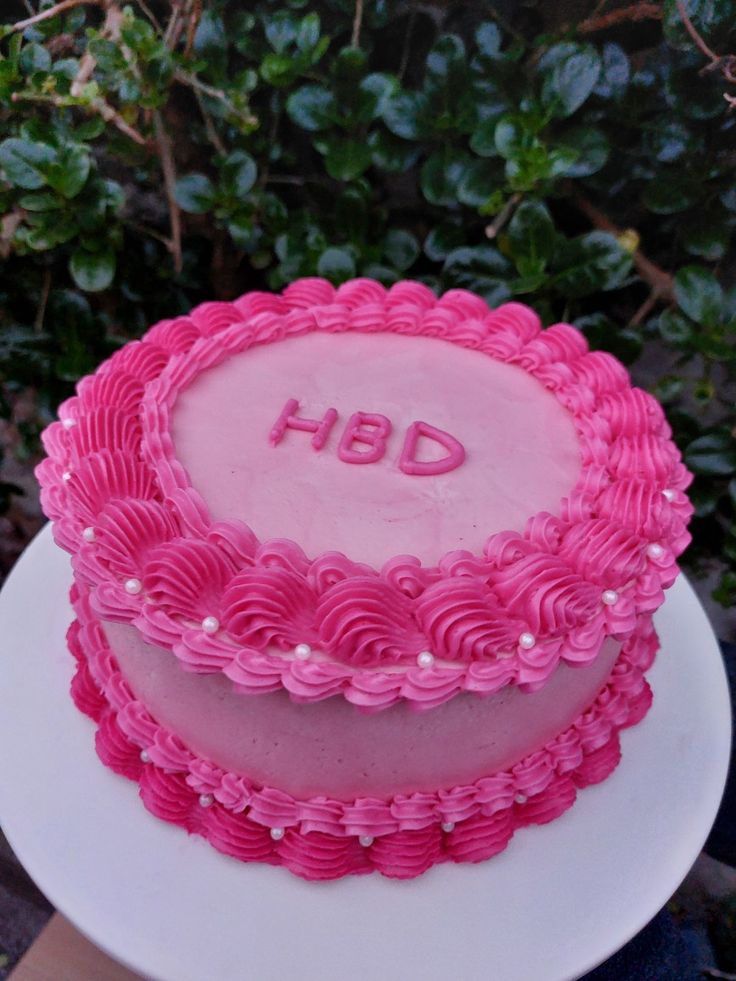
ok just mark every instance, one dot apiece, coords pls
pixel 504 612
pixel 323 838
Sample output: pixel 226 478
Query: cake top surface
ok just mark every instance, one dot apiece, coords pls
pixel 465 517
pixel 518 444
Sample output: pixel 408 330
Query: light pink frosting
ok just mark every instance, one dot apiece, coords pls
pixel 324 838
pixel 586 569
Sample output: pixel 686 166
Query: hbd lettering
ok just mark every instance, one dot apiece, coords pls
pixel 365 436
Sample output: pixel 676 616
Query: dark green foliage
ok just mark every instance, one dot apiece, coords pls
pixel 524 159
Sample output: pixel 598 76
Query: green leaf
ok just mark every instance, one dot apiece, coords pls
pixel 670 139
pixel 336 264
pixel 278 69
pixel 708 236
pixel 488 40
pixel 69 173
pixel 441 174
pixel 312 107
pixel 699 294
pixel 25 163
pixel 406 114
pixel 713 455
pixel 483 138
pixel 590 148
pixel 376 89
pixel 480 268
pixel 589 263
pixel 281 30
pixel 400 248
pixel 239 173
pixel 92 271
pixel 674 328
pixel 603 335
pixel 347 159
pixel 668 194
pixel 391 154
pixel 195 193
pixel 34 58
pixel 307 34
pixel 531 233
pixel 615 73
pixel 570 73
pixel 441 240
pixel 480 180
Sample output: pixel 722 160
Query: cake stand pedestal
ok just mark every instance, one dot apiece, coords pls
pixel 557 902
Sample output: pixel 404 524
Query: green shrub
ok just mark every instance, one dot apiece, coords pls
pixel 157 154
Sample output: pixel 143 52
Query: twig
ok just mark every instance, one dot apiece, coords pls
pixel 407 44
pixel 194 19
pixel 97 105
pixel 169 173
pixel 503 216
pixel 8 226
pixel 43 300
pixel 150 14
pixel 645 309
pixel 195 83
pixel 212 135
pixel 145 230
pixel 631 14
pixel 58 8
pixel 87 63
pixel 661 282
pixel 697 39
pixel 357 22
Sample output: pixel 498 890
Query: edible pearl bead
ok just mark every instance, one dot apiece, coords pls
pixel 206 800
pixel 67 475
pixel 366 840
pixel 302 651
pixel 448 826
pixel 68 423
pixel 668 494
pixel 210 625
pixel 527 641
pixel 88 534
pixel 521 798
pixel 133 586
pixel 609 597
pixel 655 551
pixel 145 757
pixel 425 659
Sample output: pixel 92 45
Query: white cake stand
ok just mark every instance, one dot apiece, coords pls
pixel 557 902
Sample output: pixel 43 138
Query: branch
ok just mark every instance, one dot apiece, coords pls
pixel 659 279
pixel 195 83
pixel 697 39
pixel 357 22
pixel 169 173
pixel 97 105
pixel 636 12
pixel 58 8
pixel 194 18
pixel 503 216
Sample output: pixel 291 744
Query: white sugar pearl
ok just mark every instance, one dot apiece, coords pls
pixel 145 757
pixel 302 651
pixel 527 641
pixel 425 659
pixel 206 800
pixel 448 826
pixel 521 798
pixel 366 840
pixel 210 625
pixel 655 551
pixel 68 423
pixel 668 494
pixel 277 833
pixel 609 597
pixel 67 475
pixel 133 586
pixel 88 534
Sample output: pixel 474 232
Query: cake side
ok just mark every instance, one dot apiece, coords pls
pixel 320 837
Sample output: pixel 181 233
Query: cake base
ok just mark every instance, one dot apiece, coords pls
pixel 560 900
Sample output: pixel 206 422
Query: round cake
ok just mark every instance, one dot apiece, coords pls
pixel 363 578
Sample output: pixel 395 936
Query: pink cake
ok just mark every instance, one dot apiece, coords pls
pixel 364 579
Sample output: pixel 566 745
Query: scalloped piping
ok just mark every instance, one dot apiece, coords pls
pixel 320 838
pixel 621 432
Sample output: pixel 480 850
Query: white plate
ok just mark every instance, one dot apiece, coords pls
pixel 558 901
